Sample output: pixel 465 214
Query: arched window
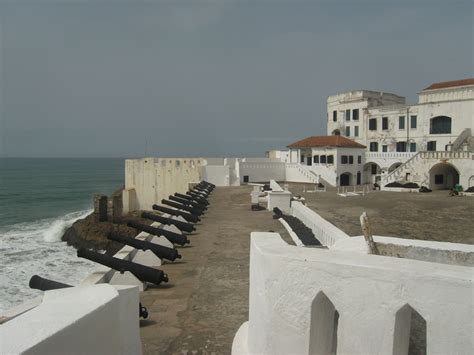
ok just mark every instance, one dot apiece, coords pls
pixel 440 125
pixel 336 132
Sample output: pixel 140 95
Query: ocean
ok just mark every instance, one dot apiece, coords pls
pixel 39 199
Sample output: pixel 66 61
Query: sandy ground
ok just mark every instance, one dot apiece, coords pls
pixel 429 216
pixel 206 300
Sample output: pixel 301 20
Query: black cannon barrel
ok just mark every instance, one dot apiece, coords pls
pixel 206 185
pixel 198 193
pixel 197 196
pixel 141 272
pixel 188 197
pixel 191 210
pixel 188 203
pixel 159 250
pixel 40 283
pixel 190 200
pixel 184 226
pixel 202 189
pixel 173 237
pixel 187 216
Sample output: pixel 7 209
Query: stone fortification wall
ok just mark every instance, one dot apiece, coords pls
pixel 149 180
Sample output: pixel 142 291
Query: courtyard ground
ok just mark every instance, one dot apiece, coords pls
pixel 428 216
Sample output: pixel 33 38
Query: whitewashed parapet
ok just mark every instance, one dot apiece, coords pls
pixel 93 319
pixel 313 301
pixel 275 186
pixel 327 233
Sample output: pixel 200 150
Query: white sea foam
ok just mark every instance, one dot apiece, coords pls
pixel 36 248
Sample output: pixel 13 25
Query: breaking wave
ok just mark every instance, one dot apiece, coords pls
pixel 36 248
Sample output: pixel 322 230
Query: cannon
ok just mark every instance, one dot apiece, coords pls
pixel 188 203
pixel 173 237
pixel 197 193
pixel 191 210
pixel 205 186
pixel 190 198
pixel 42 284
pixel 183 226
pixel 141 272
pixel 197 197
pixel 159 250
pixel 187 216
pixel 202 189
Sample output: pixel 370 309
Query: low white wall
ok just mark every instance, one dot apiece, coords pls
pixel 426 250
pixel 279 198
pixel 97 319
pixel 218 175
pixel 327 234
pixel 302 299
pixel 262 171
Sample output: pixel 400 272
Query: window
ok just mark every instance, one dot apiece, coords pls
pixel 374 147
pixel 440 125
pixel 412 122
pixel 330 159
pixel 359 159
pixel 351 159
pixel 246 178
pixel 302 158
pixel 401 146
pixel 431 146
pixel 439 179
pixel 373 168
pixel 348 131
pixel 412 147
pixel 322 159
pixel 316 159
pixel 373 124
pixel 343 159
pixel 334 116
pixel 348 115
pixel 384 123
pixel 356 131
pixel 401 122
pixel 385 148
pixel 355 114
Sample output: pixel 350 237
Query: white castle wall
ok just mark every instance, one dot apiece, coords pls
pixel 94 319
pixel 314 301
pixel 149 180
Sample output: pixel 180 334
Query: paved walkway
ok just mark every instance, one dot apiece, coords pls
pixel 206 300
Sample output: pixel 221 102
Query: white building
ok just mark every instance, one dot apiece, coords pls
pixel 336 160
pixel 394 132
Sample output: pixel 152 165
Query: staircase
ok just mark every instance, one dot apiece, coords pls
pixel 420 164
pixel 296 172
pixel 461 139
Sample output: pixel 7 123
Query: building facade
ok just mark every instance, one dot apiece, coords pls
pixel 395 132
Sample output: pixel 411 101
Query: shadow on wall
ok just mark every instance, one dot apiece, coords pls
pixel 410 332
pixel 323 327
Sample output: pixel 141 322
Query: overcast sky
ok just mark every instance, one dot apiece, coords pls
pixel 124 78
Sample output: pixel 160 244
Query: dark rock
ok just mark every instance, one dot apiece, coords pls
pixel 87 233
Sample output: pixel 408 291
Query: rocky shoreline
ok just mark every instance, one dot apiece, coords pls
pixel 88 233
